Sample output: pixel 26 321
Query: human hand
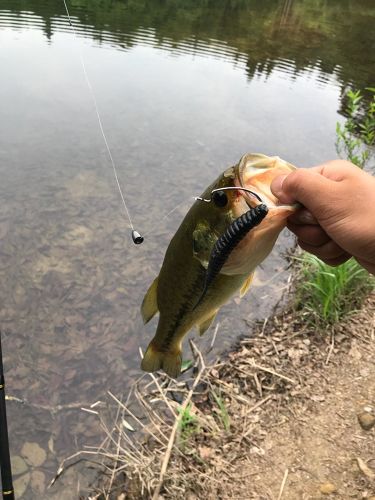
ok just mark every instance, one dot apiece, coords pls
pixel 338 218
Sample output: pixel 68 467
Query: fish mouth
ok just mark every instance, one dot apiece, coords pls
pixel 255 173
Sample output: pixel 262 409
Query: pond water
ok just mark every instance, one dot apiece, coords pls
pixel 184 88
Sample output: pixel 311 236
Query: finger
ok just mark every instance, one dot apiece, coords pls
pixel 370 266
pixel 303 216
pixel 336 170
pixel 303 185
pixel 338 261
pixel 328 251
pixel 310 235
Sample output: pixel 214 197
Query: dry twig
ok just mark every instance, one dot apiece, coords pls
pixel 177 422
pixel 283 484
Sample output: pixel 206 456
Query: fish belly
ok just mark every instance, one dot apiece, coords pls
pixel 164 351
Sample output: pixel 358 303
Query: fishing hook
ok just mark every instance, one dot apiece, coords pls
pixel 228 188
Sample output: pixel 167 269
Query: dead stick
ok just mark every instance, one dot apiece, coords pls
pixel 331 347
pixel 283 484
pixel 272 372
pixel 177 422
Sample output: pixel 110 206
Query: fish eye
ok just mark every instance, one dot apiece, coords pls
pixel 220 198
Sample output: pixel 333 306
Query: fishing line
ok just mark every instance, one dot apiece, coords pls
pixel 198 198
pixel 136 236
pixel 152 231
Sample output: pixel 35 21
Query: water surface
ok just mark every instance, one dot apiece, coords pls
pixel 184 90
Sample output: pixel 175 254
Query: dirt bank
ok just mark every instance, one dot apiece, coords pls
pixel 312 442
pixel 278 418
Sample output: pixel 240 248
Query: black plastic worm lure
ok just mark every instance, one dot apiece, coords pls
pixel 228 241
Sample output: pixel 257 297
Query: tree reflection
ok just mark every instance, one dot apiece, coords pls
pixel 334 38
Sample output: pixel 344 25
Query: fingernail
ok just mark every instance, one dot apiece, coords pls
pixel 277 185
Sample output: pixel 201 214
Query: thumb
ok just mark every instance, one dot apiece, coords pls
pixel 306 186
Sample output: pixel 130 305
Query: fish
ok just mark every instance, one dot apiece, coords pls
pixel 213 255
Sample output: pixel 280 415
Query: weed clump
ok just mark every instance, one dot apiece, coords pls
pixel 327 293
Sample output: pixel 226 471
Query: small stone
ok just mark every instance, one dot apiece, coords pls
pixel 19 466
pixel 366 420
pixel 327 488
pixel 20 485
pixel 33 454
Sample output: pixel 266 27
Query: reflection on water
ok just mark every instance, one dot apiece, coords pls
pixel 184 89
pixel 334 37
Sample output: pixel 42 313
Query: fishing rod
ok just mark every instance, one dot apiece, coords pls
pixel 5 466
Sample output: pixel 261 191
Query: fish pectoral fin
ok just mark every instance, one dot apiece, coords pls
pixel 203 241
pixel 150 305
pixel 245 287
pixel 205 325
pixel 169 361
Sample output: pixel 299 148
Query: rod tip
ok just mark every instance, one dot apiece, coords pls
pixel 137 238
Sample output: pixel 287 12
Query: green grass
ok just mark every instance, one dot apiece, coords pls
pixel 188 425
pixel 355 138
pixel 328 293
pixel 221 411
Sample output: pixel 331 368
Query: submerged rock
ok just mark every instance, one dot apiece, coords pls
pixel 33 454
pixel 19 466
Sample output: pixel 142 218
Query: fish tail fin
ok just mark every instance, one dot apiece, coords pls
pixel 169 361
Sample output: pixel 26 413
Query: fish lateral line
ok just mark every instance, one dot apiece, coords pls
pixel 228 241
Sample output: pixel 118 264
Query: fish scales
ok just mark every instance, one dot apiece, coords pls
pixel 184 293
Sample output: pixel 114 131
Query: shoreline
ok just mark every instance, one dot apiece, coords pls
pixel 247 421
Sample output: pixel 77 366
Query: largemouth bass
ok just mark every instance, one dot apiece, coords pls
pixel 183 292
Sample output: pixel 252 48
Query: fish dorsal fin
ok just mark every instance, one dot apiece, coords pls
pixel 205 325
pixel 150 305
pixel 245 287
